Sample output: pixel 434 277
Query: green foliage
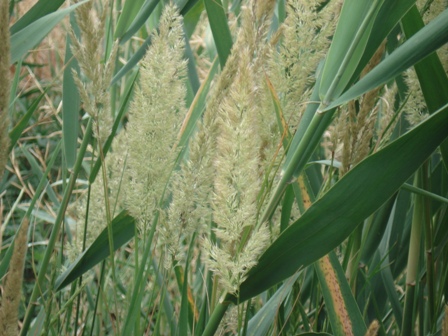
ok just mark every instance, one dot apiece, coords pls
pixel 352 247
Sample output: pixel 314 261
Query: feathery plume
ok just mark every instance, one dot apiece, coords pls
pixel 306 36
pixel 95 92
pixel 4 83
pixel 9 306
pixel 415 109
pixel 356 125
pixel 237 181
pixel 154 118
pixel 387 117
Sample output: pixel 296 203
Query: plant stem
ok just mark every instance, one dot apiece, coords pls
pixel 216 317
pixel 429 250
pixel 38 287
pixel 413 259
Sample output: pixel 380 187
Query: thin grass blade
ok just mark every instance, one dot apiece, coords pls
pixel 129 11
pixel 39 10
pixel 419 46
pixel 123 226
pixel 348 45
pixel 138 22
pixel 262 321
pixel 220 29
pixel 16 132
pixel 71 103
pixel 31 35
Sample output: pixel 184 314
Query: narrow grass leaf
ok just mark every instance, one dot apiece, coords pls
pixel 192 13
pixel 425 193
pixel 220 29
pixel 281 120
pixel 138 21
pixel 129 11
pixel 263 320
pixel 71 103
pixel 189 5
pixel 388 17
pixel 15 84
pixel 31 35
pixel 39 10
pixel 123 228
pixel 39 285
pixel 342 309
pixel 300 148
pixel 136 294
pixel 132 61
pixel 375 231
pixel 349 41
pixel 37 194
pixel 419 46
pixel 430 72
pixel 197 107
pixel 37 171
pixel 16 132
pixel 188 310
pixel 336 214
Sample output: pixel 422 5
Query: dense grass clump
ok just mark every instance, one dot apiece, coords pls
pixel 223 167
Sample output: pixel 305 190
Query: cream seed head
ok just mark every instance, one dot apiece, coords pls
pixel 415 107
pixel 237 182
pixel 154 118
pixel 94 80
pixel 306 35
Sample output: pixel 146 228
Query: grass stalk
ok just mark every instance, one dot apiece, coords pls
pixel 413 261
pixel 430 282
pixel 109 226
pixel 360 34
pixel 39 286
pixel 216 317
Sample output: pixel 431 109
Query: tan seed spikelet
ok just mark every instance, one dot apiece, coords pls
pixel 445 322
pixel 94 93
pixel 373 328
pixel 155 118
pixel 189 211
pixel 236 184
pixel 387 113
pixel 415 108
pixel 339 304
pixel 263 9
pixel 4 83
pixel 306 36
pixel 357 133
pixel 13 284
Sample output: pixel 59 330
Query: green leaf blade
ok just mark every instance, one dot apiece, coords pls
pixel 333 217
pixel 123 226
pixel 31 35
pixel 419 46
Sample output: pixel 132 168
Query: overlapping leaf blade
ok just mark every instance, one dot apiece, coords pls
pixel 419 46
pixel 123 226
pixel 356 196
pixel 27 38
